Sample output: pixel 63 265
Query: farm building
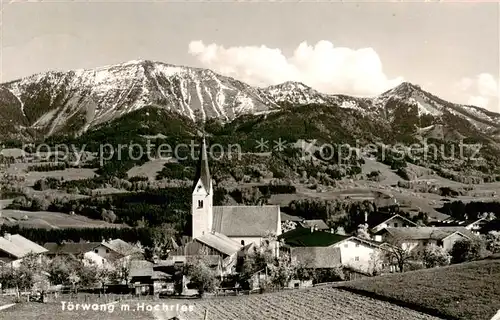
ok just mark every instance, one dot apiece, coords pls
pixel 76 249
pixel 419 237
pixel 380 220
pixel 355 252
pixel 146 280
pixel 14 247
pixel 474 226
pixel 113 252
pixel 318 224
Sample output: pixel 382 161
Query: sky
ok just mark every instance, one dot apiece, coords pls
pixel 357 48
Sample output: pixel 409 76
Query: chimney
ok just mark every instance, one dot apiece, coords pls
pixel 7 236
pixel 312 229
pixel 332 231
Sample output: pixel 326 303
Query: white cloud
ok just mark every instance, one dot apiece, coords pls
pixel 481 90
pixel 478 101
pixel 324 67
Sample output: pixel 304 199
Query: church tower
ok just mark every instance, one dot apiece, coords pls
pixel 201 206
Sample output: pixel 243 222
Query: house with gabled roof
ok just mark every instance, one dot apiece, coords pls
pixel 380 220
pixel 241 224
pixel 318 224
pixel 474 225
pixel 355 252
pixel 113 252
pixel 418 238
pixel 76 249
pixel 14 247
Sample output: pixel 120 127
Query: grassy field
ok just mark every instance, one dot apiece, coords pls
pixel 464 291
pixel 149 169
pixel 323 303
pixel 315 303
pixel 52 220
pixel 54 311
pixel 21 169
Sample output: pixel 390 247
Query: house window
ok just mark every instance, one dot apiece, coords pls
pixel 107 250
pixel 395 225
pixel 96 251
pixel 346 245
pixel 357 245
pixel 356 258
pixel 426 243
pixel 242 242
pixel 200 203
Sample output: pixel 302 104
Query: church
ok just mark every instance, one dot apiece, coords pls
pixel 228 228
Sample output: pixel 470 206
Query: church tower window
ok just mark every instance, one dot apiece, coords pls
pixel 200 203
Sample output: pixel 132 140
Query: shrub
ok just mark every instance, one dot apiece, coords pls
pixel 467 250
pixel 434 256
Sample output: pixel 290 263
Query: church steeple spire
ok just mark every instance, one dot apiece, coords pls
pixel 202 170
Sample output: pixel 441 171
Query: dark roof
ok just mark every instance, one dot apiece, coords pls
pixel 317 257
pixel 202 169
pixel 70 247
pixel 426 233
pixel 246 221
pixel 303 237
pixel 493 225
pixel 456 223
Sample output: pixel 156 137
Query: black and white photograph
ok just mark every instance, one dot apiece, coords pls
pixel 249 160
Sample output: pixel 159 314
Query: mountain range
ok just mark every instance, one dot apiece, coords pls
pixel 74 102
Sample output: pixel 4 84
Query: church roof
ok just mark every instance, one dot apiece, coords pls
pixel 202 170
pixel 246 221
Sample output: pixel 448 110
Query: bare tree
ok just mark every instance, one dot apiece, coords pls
pixel 398 252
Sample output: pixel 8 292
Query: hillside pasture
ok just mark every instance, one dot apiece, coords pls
pixel 463 291
pixel 52 220
pixel 149 169
pixel 69 174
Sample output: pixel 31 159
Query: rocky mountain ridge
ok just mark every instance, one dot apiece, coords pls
pixel 73 102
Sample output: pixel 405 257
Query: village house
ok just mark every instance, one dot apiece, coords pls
pixel 475 226
pixel 113 253
pixel 418 238
pixel 318 224
pixel 146 280
pixel 76 249
pixel 241 224
pixel 380 220
pixel 313 258
pixel 14 247
pixel 355 252
pixel 210 244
